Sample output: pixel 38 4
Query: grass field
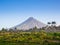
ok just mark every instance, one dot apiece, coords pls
pixel 29 38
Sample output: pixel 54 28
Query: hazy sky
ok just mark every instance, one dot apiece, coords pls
pixel 13 12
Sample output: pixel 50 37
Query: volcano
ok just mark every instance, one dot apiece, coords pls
pixel 30 23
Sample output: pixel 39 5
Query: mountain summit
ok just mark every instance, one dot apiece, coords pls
pixel 29 24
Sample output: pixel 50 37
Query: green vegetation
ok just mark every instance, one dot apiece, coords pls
pixel 29 38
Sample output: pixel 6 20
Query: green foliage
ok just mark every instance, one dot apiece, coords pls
pixel 29 38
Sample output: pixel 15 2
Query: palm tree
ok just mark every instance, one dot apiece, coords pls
pixel 53 23
pixel 49 23
pixel 48 26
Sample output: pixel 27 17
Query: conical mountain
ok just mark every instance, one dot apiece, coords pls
pixel 29 24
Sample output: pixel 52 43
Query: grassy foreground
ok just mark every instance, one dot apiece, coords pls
pixel 29 38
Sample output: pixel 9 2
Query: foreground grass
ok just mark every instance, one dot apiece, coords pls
pixel 28 43
pixel 29 38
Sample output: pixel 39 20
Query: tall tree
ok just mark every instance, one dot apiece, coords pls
pixel 49 23
pixel 4 30
pixel 53 23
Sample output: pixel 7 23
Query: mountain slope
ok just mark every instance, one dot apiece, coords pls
pixel 29 24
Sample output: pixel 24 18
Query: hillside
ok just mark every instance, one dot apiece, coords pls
pixel 29 24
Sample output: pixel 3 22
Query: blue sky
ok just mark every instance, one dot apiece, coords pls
pixel 13 12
